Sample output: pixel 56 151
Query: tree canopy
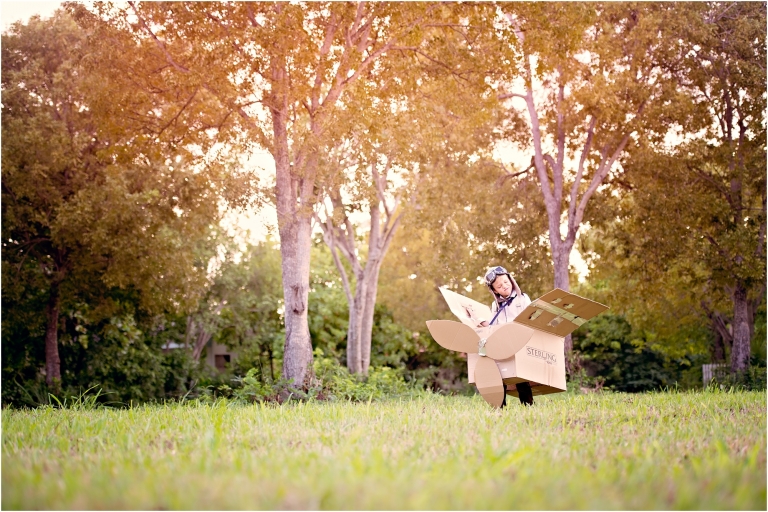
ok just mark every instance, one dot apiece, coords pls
pixel 127 130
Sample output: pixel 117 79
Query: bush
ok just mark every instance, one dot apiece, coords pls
pixel 335 382
pixel 752 379
pixel 331 381
pixel 611 354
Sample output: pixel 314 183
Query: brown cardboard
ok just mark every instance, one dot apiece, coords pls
pixel 498 341
pixel 468 311
pixel 488 381
pixel 454 336
pixel 559 312
pixel 529 349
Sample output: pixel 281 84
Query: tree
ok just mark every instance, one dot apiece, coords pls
pixel 32 56
pixel 714 232
pixel 727 71
pixel 341 237
pixel 243 308
pixel 591 79
pixel 392 343
pixel 89 208
pixel 280 69
pixel 411 119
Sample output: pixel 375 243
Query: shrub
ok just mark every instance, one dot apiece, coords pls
pixel 752 379
pixel 331 381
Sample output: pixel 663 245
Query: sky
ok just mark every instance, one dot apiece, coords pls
pixel 11 12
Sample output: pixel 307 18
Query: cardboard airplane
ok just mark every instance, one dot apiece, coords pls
pixel 529 349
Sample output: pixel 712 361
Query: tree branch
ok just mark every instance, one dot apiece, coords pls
pixel 557 170
pixel 157 40
pixel 183 108
pixel 579 173
pixel 597 179
pixel 717 185
pixel 329 237
pixel 244 115
pixel 509 175
pixel 389 234
pixel 345 242
pixel 553 212
pixel 508 95
pixel 331 29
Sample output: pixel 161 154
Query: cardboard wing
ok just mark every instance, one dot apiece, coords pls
pixel 468 311
pixel 559 312
pixel 497 342
pixel 488 344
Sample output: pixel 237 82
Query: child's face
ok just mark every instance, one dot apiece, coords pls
pixel 503 286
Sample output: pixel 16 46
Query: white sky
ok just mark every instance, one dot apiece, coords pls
pixel 11 12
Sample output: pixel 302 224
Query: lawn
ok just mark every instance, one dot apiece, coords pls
pixel 704 450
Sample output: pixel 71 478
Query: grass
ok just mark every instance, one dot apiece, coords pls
pixel 704 450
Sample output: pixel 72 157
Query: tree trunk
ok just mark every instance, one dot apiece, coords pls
pixel 355 328
pixel 52 361
pixel 561 261
pixel 753 304
pixel 718 347
pixel 723 338
pixel 740 352
pixel 371 290
pixel 203 337
pixel 271 364
pixel 294 227
pixel 295 243
pixel 380 238
pixel 362 303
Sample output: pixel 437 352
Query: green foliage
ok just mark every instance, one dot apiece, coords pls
pixel 615 356
pixel 336 383
pixel 759 344
pixel 392 343
pixel 252 388
pixel 243 308
pixel 103 228
pixel 122 363
pixel 332 381
pixel 328 314
pixel 120 353
pixel 754 378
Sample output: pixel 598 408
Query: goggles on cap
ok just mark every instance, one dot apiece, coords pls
pixel 492 274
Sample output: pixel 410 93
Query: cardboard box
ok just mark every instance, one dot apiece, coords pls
pixel 541 363
pixel 529 349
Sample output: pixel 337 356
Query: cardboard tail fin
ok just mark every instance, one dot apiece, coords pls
pixel 488 381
